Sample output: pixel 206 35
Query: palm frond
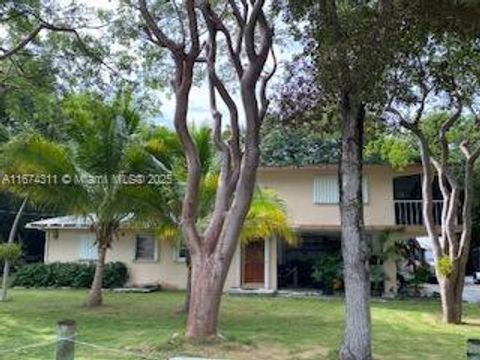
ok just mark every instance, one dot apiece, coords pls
pixel 267 217
pixel 40 169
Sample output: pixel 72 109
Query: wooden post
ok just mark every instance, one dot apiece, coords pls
pixel 473 349
pixel 66 331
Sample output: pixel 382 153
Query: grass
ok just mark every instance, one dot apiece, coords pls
pixel 254 328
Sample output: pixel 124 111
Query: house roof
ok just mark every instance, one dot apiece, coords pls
pixel 62 222
pixel 68 222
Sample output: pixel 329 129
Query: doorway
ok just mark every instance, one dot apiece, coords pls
pixel 254 264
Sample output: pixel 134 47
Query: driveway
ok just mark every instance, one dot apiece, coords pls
pixel 471 293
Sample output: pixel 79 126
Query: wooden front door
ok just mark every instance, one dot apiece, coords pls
pixel 254 262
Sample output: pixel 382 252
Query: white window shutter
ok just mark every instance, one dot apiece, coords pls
pixel 88 250
pixel 325 190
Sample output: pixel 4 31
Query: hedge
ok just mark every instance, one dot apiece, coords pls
pixel 71 274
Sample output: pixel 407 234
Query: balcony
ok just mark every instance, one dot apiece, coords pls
pixel 409 212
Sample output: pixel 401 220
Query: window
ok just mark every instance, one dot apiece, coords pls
pixel 325 190
pixel 181 251
pixel 410 188
pixel 407 187
pixel 145 248
pixel 87 249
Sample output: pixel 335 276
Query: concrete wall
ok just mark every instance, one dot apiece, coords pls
pixel 295 186
pixel 63 246
pixel 165 270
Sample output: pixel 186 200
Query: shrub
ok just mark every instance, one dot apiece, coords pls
pixel 10 252
pixel 72 274
pixel 115 275
pixel 33 275
pixel 327 270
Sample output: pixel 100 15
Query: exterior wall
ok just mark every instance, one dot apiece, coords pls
pixel 295 186
pixel 166 270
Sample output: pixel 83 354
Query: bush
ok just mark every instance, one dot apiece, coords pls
pixel 10 252
pixel 115 275
pixel 328 270
pixel 73 274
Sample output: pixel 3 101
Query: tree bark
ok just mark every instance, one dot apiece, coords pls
pixel 188 262
pixel 451 293
pixel 453 246
pixel 452 302
pixel 357 338
pixel 11 239
pixel 208 277
pixel 95 297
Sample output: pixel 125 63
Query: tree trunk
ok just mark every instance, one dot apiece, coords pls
pixel 451 302
pixel 455 247
pixel 11 239
pixel 212 250
pixel 357 338
pixel 95 295
pixel 188 262
pixel 451 293
pixel 208 278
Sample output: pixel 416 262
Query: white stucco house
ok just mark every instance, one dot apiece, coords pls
pixel 392 203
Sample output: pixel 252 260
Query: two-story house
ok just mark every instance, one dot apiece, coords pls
pixel 392 202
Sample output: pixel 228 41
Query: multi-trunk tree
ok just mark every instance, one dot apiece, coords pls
pixel 444 73
pixel 266 218
pixel 234 34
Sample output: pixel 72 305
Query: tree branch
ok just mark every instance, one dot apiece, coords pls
pixel 180 21
pixel 162 39
pixel 442 134
pixel 22 44
pixel 234 54
pixel 263 87
pixel 250 29
pixel 193 28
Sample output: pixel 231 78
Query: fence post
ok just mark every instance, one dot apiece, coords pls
pixel 66 331
pixel 473 349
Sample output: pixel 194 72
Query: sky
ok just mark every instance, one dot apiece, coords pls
pixel 199 111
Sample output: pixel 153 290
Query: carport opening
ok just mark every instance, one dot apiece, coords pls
pixel 296 263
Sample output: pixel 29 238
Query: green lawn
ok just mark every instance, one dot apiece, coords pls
pixel 254 328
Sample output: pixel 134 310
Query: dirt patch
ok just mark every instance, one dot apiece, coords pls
pixel 312 353
pixel 231 351
pixel 238 351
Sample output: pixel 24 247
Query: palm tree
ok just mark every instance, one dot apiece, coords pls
pixel 266 218
pixel 85 172
pixel 11 239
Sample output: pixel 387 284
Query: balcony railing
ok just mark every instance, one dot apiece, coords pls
pixel 410 212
